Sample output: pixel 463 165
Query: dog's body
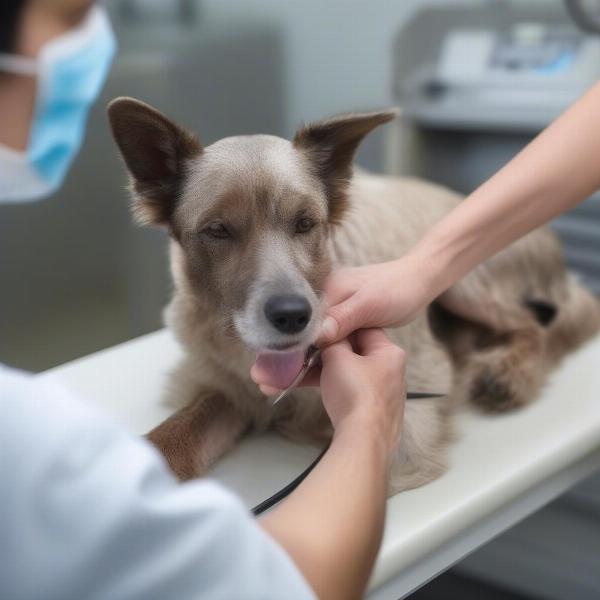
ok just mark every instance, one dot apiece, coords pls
pixel 491 339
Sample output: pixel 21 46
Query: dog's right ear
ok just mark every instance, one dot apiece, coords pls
pixel 155 151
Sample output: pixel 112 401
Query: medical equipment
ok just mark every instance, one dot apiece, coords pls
pixel 522 75
pixel 290 487
pixel 312 357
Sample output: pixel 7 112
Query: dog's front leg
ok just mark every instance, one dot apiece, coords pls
pixel 195 436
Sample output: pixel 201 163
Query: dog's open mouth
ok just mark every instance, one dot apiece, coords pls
pixel 278 369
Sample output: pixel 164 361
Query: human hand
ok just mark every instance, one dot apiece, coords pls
pixel 387 294
pixel 364 385
pixel 381 295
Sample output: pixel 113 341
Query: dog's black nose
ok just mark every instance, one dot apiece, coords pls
pixel 288 313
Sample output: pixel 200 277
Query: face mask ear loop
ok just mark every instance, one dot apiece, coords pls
pixel 21 65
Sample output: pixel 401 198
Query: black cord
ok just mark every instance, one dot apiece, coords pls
pixel 289 488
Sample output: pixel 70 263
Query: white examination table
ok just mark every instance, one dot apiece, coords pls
pixel 503 468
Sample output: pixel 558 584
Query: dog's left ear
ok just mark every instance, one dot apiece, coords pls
pixel 331 146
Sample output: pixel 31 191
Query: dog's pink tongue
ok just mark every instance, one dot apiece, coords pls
pixel 278 369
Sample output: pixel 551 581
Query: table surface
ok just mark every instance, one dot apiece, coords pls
pixel 502 467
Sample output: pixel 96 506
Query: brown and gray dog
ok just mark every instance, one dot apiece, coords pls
pixel 256 224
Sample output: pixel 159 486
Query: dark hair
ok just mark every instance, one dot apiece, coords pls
pixel 10 11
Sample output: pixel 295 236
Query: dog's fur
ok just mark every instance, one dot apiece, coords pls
pixel 254 216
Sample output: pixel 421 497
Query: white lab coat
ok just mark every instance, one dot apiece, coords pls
pixel 88 511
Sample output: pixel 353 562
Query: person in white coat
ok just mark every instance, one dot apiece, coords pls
pixel 90 511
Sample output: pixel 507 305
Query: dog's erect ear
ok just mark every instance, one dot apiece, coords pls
pixel 155 150
pixel 331 146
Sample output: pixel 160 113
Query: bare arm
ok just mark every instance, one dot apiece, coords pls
pixel 554 173
pixel 332 524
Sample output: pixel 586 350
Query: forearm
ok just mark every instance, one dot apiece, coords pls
pixel 556 171
pixel 332 524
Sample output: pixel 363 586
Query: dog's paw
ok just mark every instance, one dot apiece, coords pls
pixel 500 384
pixel 492 393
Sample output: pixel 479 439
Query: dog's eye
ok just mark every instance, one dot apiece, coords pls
pixel 304 225
pixel 217 230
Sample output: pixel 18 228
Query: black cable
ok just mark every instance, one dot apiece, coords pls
pixel 289 488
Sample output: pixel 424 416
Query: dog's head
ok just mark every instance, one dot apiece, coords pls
pixel 250 215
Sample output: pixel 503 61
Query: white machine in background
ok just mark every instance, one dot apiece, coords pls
pixel 475 83
pixel 524 76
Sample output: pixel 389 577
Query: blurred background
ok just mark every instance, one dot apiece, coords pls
pixel 475 79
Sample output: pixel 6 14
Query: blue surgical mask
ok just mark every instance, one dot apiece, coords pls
pixel 70 72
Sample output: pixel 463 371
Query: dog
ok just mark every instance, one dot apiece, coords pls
pixel 256 224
